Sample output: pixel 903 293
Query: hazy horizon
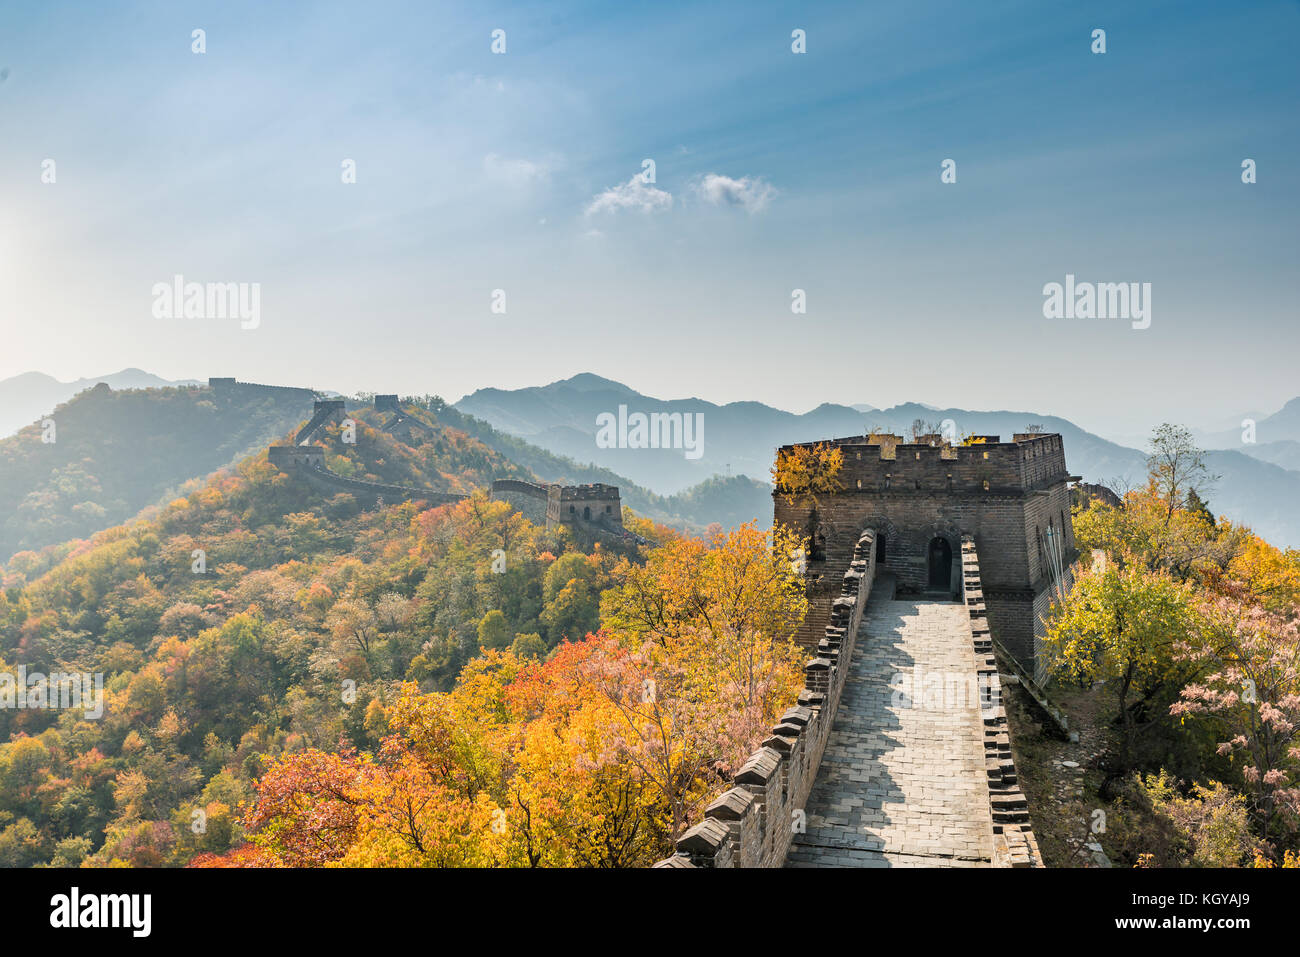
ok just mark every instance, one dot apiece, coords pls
pixel 1118 435
pixel 775 171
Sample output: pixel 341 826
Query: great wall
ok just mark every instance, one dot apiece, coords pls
pixel 596 507
pixel 897 752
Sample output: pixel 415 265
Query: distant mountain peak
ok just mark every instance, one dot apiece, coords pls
pixel 590 382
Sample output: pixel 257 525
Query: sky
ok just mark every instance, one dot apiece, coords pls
pixel 774 171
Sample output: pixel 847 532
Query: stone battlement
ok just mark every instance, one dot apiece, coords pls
pixel 881 462
pixel 325 411
pixel 531 489
pixel 921 498
pixel 771 816
pixel 596 491
pixel 223 384
pixel 288 458
pixel 597 505
pixel 1014 844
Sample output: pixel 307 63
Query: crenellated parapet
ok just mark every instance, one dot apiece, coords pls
pixel 1014 844
pixel 753 823
pixel 596 504
pixel 921 496
pixel 230 385
pixel 324 412
pixel 879 463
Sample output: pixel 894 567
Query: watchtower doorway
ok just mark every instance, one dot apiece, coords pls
pixel 940 564
pixel 880 548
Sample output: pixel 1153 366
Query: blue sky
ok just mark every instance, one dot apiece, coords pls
pixel 774 171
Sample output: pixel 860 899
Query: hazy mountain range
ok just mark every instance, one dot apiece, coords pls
pixel 121 451
pixel 551 430
pixel 26 397
pixel 1259 483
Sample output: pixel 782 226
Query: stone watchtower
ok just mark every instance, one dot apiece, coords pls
pixel 921 498
pixel 595 504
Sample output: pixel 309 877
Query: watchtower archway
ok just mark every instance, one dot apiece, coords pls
pixel 887 537
pixel 939 561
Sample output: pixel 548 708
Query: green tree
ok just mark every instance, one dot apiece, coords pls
pixel 494 632
pixel 528 646
pixel 1119 624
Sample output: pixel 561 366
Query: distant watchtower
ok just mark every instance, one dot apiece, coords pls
pixel 920 498
pixel 596 504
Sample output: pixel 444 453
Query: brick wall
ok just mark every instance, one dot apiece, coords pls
pixel 1014 844
pixel 1004 494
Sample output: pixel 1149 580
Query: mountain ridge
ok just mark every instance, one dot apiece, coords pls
pixel 28 396
pixel 742 437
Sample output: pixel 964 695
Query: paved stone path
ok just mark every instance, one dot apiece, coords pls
pixel 903 786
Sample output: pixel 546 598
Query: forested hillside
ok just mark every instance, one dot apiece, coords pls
pixel 1182 635
pixel 109 454
pixel 254 617
pixel 254 631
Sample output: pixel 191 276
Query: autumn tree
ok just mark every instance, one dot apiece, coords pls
pixel 806 474
pixel 711 627
pixel 1119 624
pixel 353 625
pixel 1251 695
pixel 1177 467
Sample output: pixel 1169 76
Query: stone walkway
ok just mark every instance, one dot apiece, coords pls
pixel 902 782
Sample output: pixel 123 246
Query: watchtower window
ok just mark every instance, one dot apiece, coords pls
pixel 986 485
pixel 859 483
pixel 586 511
pixel 949 482
pixel 607 509
pixel 572 509
pixel 917 483
pixel 887 478
pixel 918 456
pixel 986 455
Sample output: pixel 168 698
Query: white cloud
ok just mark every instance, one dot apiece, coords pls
pixel 749 193
pixel 634 194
